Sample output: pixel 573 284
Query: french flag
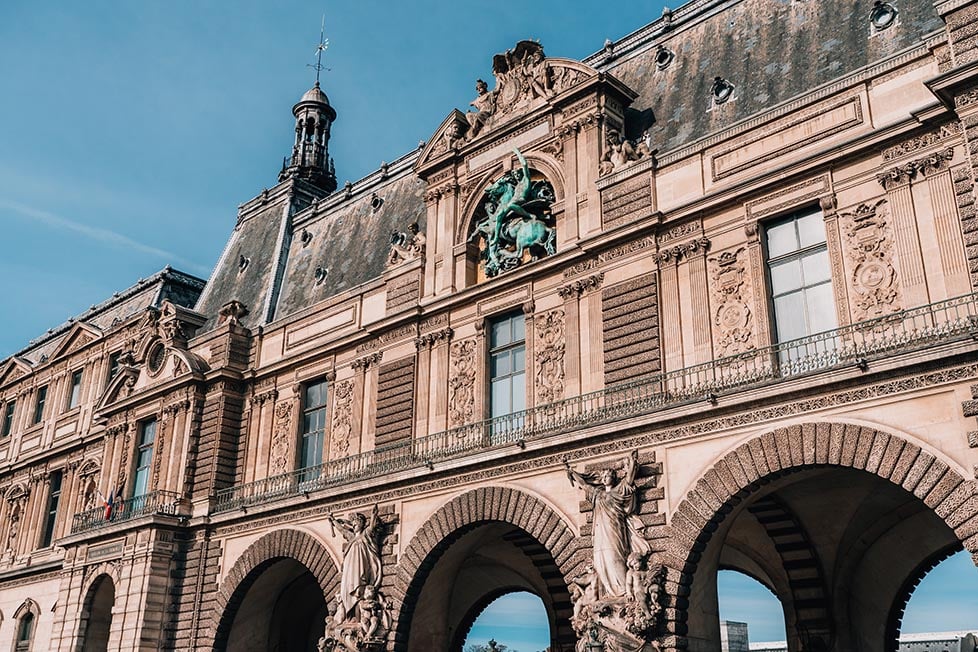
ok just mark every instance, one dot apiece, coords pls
pixel 107 503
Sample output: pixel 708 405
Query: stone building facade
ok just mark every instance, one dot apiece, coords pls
pixel 703 300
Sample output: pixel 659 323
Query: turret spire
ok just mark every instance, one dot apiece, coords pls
pixel 313 119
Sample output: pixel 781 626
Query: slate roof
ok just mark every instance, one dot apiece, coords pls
pixel 180 288
pixel 771 50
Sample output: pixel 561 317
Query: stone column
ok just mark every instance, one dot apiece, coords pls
pixel 574 334
pixel 833 241
pixel 700 302
pixel 671 314
pixel 758 282
pixel 530 359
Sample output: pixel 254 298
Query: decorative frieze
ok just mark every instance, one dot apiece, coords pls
pixel 580 286
pixel 283 434
pixel 731 290
pixel 461 383
pixel 923 141
pixel 875 290
pixel 550 347
pixel 676 253
pixel 428 340
pixel 342 427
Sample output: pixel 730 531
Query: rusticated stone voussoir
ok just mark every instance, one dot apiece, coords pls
pixel 890 457
pixel 460 515
pixel 274 546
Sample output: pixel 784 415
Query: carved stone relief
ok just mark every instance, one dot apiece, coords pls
pixel 461 383
pixel 550 356
pixel 282 436
pixel 342 429
pixel 873 280
pixel 731 289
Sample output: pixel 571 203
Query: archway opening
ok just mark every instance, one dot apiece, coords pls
pixel 101 600
pixel 749 610
pixel 836 546
pixel 945 599
pixel 283 609
pixel 471 569
pixel 515 621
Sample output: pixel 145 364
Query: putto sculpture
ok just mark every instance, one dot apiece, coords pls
pixel 517 221
pixel 616 599
pixel 406 246
pixel 363 614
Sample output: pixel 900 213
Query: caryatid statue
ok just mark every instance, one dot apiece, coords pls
pixel 618 531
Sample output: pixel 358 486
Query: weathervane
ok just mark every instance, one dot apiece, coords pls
pixel 320 48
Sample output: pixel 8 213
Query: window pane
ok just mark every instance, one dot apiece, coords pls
pixel 141 482
pixel 519 359
pixel 811 229
pixel 816 267
pixel 500 397
pixel 500 334
pixel 519 327
pixel 75 395
pixel 500 364
pixel 519 392
pixel 785 277
pixel 789 316
pixel 149 433
pixel 781 239
pixel 821 308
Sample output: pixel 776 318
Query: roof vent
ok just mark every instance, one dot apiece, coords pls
pixel 321 274
pixel 663 57
pixel 883 15
pixel 722 90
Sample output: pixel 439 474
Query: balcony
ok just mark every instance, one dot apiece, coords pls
pixel 164 503
pixel 855 345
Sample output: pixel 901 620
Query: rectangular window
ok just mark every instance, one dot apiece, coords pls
pixel 42 397
pixel 113 366
pixel 74 395
pixel 8 418
pixel 144 457
pixel 313 425
pixel 52 514
pixel 801 282
pixel 507 365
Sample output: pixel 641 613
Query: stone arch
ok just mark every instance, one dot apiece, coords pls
pixel 93 584
pixel 537 160
pixel 550 541
pixel 743 470
pixel 279 544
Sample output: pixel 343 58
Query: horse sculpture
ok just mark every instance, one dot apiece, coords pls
pixel 518 220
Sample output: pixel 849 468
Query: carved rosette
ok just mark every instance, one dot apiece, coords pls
pixel 873 280
pixel 461 383
pixel 342 430
pixel 732 318
pixel 282 436
pixel 550 356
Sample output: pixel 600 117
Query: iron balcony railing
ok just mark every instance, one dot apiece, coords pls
pixel 855 344
pixel 166 503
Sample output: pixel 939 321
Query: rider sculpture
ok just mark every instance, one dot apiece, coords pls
pixel 518 220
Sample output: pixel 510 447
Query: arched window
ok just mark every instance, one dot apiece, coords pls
pixel 749 611
pixel 25 619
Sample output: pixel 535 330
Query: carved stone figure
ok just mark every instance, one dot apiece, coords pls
pixel 461 381
pixel 485 104
pixel 342 429
pixel 732 317
pixel 517 220
pixel 874 281
pixel 406 246
pixel 619 152
pixel 363 615
pixel 361 561
pixel 618 532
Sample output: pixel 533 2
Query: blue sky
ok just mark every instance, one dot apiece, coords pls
pixel 131 131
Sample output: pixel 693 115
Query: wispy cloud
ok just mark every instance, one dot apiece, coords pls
pixel 97 234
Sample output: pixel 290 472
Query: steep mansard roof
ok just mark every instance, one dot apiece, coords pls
pixel 771 50
pixel 271 266
pixel 167 284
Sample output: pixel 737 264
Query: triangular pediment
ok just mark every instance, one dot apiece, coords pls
pixel 79 335
pixel 449 136
pixel 14 369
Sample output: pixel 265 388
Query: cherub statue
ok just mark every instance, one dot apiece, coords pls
pixel 405 246
pixel 584 592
